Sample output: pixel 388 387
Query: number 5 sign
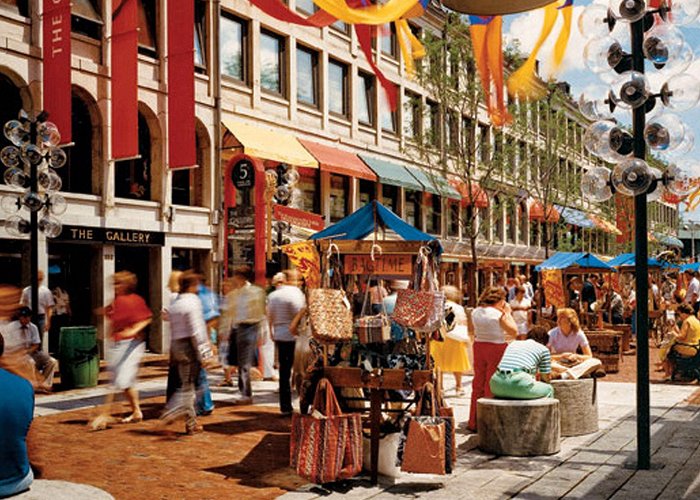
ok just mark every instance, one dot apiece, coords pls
pixel 243 174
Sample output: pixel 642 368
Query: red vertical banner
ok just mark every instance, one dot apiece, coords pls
pixel 181 122
pixel 125 117
pixel 57 65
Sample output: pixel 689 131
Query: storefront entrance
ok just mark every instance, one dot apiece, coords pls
pixel 138 261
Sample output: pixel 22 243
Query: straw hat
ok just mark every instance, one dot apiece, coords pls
pixel 491 8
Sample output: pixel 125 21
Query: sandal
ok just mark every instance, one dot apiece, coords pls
pixel 132 419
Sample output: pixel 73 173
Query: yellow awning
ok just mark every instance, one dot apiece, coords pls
pixel 268 144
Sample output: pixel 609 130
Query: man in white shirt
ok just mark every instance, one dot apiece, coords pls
pixel 283 306
pixel 529 290
pixel 46 304
pixel 692 293
pixel 23 340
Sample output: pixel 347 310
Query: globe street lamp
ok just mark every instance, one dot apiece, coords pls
pixel 653 38
pixel 30 162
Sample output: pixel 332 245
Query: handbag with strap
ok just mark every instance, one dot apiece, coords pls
pixel 372 328
pixel 326 445
pixel 422 307
pixel 428 414
pixel 329 311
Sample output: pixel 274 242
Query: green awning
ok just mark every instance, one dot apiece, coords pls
pixel 392 173
pixel 434 183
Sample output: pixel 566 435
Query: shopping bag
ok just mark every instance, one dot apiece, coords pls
pixel 422 307
pixel 326 445
pixel 372 329
pixel 388 447
pixel 329 315
pixel 424 446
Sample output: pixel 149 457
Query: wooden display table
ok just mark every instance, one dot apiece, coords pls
pixel 377 381
pixel 606 345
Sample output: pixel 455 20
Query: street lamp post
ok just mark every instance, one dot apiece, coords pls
pixel 30 162
pixel 654 39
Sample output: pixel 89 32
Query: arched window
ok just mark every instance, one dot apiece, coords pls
pixel 10 104
pixel 511 220
pixel 133 177
pixel 84 154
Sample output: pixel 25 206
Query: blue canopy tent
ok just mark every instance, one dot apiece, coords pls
pixel 627 260
pixel 571 261
pixel 366 220
pixel 692 266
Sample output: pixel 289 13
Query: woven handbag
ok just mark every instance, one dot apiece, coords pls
pixel 330 315
pixel 327 445
pixel 421 308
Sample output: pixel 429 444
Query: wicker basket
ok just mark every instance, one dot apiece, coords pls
pixel 605 342
pixel 611 362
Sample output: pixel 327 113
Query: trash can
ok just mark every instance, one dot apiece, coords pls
pixel 78 357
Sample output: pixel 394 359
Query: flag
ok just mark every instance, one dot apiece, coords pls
pixel 57 65
pixel 124 84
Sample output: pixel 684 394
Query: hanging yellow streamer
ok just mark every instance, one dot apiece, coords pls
pixel 563 38
pixel 373 14
pixel 411 48
pixel 523 82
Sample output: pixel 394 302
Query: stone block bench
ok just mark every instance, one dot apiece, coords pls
pixel 519 427
pixel 578 406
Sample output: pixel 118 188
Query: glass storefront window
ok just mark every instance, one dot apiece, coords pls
pixel 433 215
pixel 340 191
pixel 390 197
pixel 367 192
pixel 413 208
pixel 309 186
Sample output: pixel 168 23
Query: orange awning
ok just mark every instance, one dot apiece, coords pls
pixel 477 197
pixel 540 213
pixel 338 161
pixel 605 225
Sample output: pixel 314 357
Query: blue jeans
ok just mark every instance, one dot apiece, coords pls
pixel 247 342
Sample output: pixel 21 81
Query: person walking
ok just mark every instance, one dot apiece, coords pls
pixel 493 327
pixel 246 312
pixel 188 332
pixel 451 354
pixel 284 304
pixel 46 304
pixel 129 315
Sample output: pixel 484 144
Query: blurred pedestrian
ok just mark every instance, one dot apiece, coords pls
pixel 16 414
pixel 284 304
pixel 451 354
pixel 212 314
pixel 129 315
pixel 246 312
pixel 188 333
pixel 46 304
pixel 22 340
pixel 493 327
pixel 223 337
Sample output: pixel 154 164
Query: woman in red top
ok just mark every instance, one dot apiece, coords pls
pixel 129 315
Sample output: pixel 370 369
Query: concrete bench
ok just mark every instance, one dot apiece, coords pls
pixel 578 406
pixel 42 489
pixel 518 427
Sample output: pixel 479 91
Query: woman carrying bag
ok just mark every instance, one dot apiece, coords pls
pixel 451 355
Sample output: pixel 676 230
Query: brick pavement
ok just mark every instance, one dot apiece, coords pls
pixel 593 466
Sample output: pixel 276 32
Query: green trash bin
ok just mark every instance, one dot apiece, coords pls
pixel 78 356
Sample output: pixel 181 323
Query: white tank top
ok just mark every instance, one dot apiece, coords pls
pixel 487 325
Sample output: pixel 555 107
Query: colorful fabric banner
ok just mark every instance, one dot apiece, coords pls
pixel 279 10
pixel 57 66
pixel 182 151
pixel 364 37
pixel 373 14
pixel 552 281
pixel 486 38
pixel 304 257
pixel 124 84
